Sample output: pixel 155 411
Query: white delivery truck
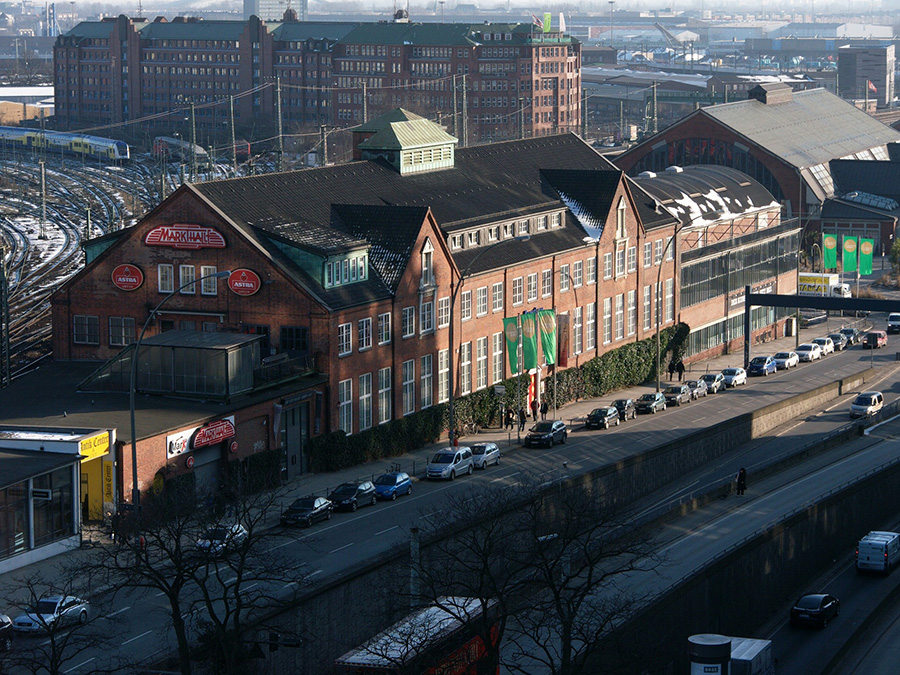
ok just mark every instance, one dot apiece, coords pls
pixel 823 285
pixel 878 552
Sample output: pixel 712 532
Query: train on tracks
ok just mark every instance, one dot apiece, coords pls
pixel 177 149
pixel 59 141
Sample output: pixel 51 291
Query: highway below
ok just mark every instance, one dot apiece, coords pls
pixel 137 623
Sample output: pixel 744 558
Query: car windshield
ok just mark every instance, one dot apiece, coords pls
pixel 864 399
pixel 673 390
pixel 820 341
pixel 386 479
pixel 894 317
pixel 621 403
pixel 783 355
pixel 307 503
pixel 709 377
pixel 804 348
pixel 216 533
pixel 730 371
pixel 759 360
pixel 848 331
pixel 694 383
pixel 809 602
pixel 45 607
pixel 479 449
pixel 344 490
pixel 648 397
pixel 836 336
pixel 442 458
pixel 543 426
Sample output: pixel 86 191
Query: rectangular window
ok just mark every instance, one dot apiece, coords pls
pixel 632 259
pixel 384 395
pixel 409 387
pixel 592 270
pixel 670 300
pixel 443 312
pixel 620 316
pixel 564 278
pixel 648 253
pixel 364 334
pixel 186 276
pixel 384 328
pixel 427 387
pixel 590 327
pixel 481 362
pixel 86 330
pixel 607 320
pixel 426 317
pixel 365 401
pixel 532 287
pixel 443 376
pixel 497 358
pixel 408 322
pixel 657 252
pixel 481 302
pixel 670 249
pixel 577 273
pixel 121 331
pixel 518 291
pixel 620 262
pixel 345 405
pixel 166 278
pixel 577 330
pixel 607 265
pixel 632 312
pixel 648 307
pixel 497 297
pixel 208 285
pixel 546 283
pixel 465 368
pixel 345 339
pixel 465 305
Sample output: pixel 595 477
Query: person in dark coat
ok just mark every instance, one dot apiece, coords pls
pixel 741 482
pixel 522 419
pixel 544 409
pixel 510 419
pixel 671 369
pixel 534 410
pixel 680 368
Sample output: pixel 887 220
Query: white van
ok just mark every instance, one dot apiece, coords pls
pixel 878 552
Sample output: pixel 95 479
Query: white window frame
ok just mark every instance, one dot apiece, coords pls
pixel 518 291
pixel 648 307
pixel 165 278
pixel 117 334
pixel 426 379
pixel 364 334
pixel 365 401
pixel 497 345
pixel 657 251
pixel 577 328
pixel 345 339
pixel 465 305
pixel 426 317
pixel 186 275
pixel 670 249
pixel 578 273
pixel 590 324
pixel 384 328
pixel 209 283
pixel 563 278
pixel 408 322
pixel 481 361
pixel 481 301
pixel 546 283
pixel 427 264
pixel 345 406
pixel 384 395
pixel 443 375
pixel 648 254
pixel 531 287
pixel 607 320
pixel 465 368
pixel 620 261
pixel 632 312
pixel 497 297
pixel 607 265
pixel 409 387
pixel 620 316
pixel 591 273
pixel 670 300
pixel 443 312
pixel 632 259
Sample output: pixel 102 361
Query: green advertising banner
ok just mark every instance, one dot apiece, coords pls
pixel 548 19
pixel 849 260
pixel 866 249
pixel 829 248
pixel 547 323
pixel 511 331
pixel 529 341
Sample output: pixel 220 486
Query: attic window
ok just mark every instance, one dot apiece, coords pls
pixel 456 241
pixel 621 233
pixel 541 223
pixel 555 220
pixel 474 238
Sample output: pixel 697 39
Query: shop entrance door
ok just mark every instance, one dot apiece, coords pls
pixel 294 435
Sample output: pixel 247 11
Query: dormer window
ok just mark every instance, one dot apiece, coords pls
pixel 427 264
pixel 347 270
pixel 620 220
pixel 523 227
pixel 456 241
pixel 542 222
pixel 494 233
pixel 555 220
pixel 508 230
pixel 474 238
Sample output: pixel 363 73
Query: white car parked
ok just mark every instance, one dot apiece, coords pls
pixel 786 360
pixel 734 376
pixel 485 454
pixel 449 463
pixel 51 613
pixel 809 352
pixel 867 403
pixel 826 344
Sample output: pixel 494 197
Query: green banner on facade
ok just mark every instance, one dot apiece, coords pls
pixel 548 20
pixel 849 259
pixel 547 323
pixel 866 249
pixel 529 341
pixel 511 331
pixel 829 249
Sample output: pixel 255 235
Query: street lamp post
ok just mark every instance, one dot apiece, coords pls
pixel 462 278
pixel 135 490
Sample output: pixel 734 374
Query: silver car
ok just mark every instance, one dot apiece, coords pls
pixel 448 463
pixel 51 613
pixel 485 454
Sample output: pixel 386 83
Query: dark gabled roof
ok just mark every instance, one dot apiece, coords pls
pixel 840 209
pixel 391 231
pixel 456 34
pixel 193 30
pixel 300 31
pixel 588 194
pixel 877 177
pixel 91 29
pixel 20 465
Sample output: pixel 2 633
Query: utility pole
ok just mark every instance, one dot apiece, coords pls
pixel 233 146
pixel 87 226
pixel 322 140
pixel 43 234
pixel 464 141
pixel 193 146
pixel 280 134
pixel 5 373
pixel 655 119
pixel 521 118
pixel 455 109
pixel 365 106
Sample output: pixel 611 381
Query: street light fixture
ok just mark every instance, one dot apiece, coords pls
pixel 462 278
pixel 135 491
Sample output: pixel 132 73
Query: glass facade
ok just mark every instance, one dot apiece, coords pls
pixel 53 509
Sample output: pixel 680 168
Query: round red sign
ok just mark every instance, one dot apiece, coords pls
pixel 233 446
pixel 244 282
pixel 127 277
pixel 189 462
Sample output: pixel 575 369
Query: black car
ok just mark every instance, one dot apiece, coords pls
pixel 602 417
pixel 350 496
pixel 840 341
pixel 547 432
pixel 6 630
pixel 306 511
pixel 815 609
pixel 625 406
pixel 854 337
pixel 678 394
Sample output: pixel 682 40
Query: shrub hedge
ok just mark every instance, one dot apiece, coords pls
pixel 626 366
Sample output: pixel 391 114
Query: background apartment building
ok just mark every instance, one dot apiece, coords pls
pixel 867 73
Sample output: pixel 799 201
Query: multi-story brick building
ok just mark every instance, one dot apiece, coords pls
pixel 489 80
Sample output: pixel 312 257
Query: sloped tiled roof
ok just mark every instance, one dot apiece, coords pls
pixel 409 134
pixel 878 177
pixel 588 194
pixel 91 29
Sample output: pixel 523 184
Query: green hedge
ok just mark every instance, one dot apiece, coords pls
pixel 627 366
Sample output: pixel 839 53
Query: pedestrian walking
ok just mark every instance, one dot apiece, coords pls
pixel 522 419
pixel 534 409
pixel 544 409
pixel 741 482
pixel 671 370
pixel 510 418
pixel 680 368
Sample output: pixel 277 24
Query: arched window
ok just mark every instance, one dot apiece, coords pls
pixel 427 264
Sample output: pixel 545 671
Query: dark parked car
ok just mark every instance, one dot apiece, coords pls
pixel 625 406
pixel 6 629
pixel 350 496
pixel 677 394
pixel 306 511
pixel 815 609
pixel 650 403
pixel 697 388
pixel 761 365
pixel 875 339
pixel 392 485
pixel 840 341
pixel 854 337
pixel 547 432
pixel 602 417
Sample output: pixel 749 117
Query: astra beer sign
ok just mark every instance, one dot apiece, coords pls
pixel 127 277
pixel 244 282
pixel 185 236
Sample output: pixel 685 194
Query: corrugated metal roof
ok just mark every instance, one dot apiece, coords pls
pixel 410 134
pixel 878 177
pixel 814 127
pixel 199 339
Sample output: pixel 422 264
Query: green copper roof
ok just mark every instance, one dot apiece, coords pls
pixel 405 135
pixel 91 29
pixel 194 30
pixel 455 34
pixel 298 31
pixel 395 115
